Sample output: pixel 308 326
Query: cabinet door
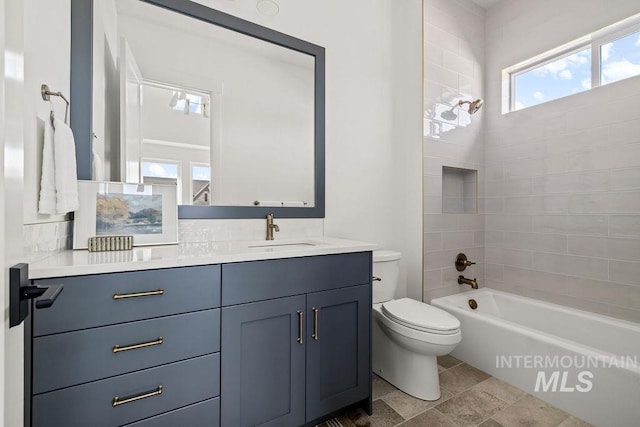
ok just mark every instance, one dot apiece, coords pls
pixel 338 350
pixel 263 364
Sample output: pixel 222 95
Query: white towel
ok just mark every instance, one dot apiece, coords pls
pixel 65 168
pixel 47 203
pixel 59 182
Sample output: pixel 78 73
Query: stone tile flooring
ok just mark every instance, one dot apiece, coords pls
pixel 470 397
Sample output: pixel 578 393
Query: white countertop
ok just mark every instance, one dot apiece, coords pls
pixel 81 262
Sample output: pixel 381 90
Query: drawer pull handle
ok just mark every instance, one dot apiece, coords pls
pixel 315 323
pixel 118 349
pixel 138 294
pixel 301 327
pixel 118 402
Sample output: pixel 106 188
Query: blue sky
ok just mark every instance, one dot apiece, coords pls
pixel 202 173
pixel 160 170
pixel 571 74
pixel 170 170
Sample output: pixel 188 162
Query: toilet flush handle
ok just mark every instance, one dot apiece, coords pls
pixel 376 279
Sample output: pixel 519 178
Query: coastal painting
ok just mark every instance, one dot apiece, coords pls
pixel 124 214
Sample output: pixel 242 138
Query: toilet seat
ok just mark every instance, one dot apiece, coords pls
pixel 420 316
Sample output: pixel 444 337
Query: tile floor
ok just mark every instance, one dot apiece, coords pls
pixel 470 397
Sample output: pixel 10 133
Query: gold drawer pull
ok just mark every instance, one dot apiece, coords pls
pixel 138 294
pixel 118 349
pixel 315 324
pixel 301 327
pixel 118 402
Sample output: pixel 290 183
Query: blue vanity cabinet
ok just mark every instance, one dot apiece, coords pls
pixel 263 372
pixel 277 343
pixel 338 331
pixel 122 348
pixel 303 350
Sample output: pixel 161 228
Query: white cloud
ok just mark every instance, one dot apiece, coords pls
pixel 158 171
pixel 560 67
pixel 619 70
pixel 519 106
pixel 606 51
pixel 565 75
pixel 538 96
pixel 201 176
pixel 638 41
pixel 586 84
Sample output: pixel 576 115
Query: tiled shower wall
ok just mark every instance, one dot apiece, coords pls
pixel 453 70
pixel 562 178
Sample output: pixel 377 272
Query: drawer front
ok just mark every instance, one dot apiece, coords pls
pixel 182 383
pixel 107 299
pixel 63 360
pixel 203 414
pixel 260 280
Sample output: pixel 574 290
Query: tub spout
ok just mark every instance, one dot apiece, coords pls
pixel 464 281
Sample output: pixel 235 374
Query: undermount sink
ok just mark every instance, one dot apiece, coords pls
pixel 283 245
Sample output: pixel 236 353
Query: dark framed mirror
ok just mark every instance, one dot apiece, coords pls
pixel 258 154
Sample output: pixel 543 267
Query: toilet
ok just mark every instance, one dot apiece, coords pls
pixel 408 334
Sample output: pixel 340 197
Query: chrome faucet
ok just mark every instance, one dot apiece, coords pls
pixel 464 281
pixel 271 226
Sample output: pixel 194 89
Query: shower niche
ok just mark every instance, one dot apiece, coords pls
pixel 459 190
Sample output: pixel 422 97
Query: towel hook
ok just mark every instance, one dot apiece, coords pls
pixel 46 95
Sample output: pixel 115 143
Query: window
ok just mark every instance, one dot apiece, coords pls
pixel 189 103
pixel 603 57
pixel 159 172
pixel 201 184
pixel 620 59
pixel 563 76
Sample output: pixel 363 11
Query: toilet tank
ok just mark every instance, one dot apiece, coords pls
pixel 386 267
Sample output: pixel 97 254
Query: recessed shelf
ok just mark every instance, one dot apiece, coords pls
pixel 459 190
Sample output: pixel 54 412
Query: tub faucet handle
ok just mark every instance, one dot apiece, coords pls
pixel 462 262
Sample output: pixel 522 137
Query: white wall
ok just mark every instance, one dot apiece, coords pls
pixel 3 200
pixel 453 70
pixel 403 125
pixel 13 108
pixel 563 178
pixel 45 52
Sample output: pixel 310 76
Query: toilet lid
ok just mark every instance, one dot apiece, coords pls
pixel 418 315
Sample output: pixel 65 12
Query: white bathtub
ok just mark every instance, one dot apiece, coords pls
pixel 583 363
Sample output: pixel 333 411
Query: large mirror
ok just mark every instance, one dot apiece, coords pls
pixel 170 91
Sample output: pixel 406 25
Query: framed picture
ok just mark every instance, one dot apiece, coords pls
pixel 148 212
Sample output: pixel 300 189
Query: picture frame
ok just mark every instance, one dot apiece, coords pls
pixel 148 212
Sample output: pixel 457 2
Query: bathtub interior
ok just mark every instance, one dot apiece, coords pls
pixel 602 333
pixel 493 333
